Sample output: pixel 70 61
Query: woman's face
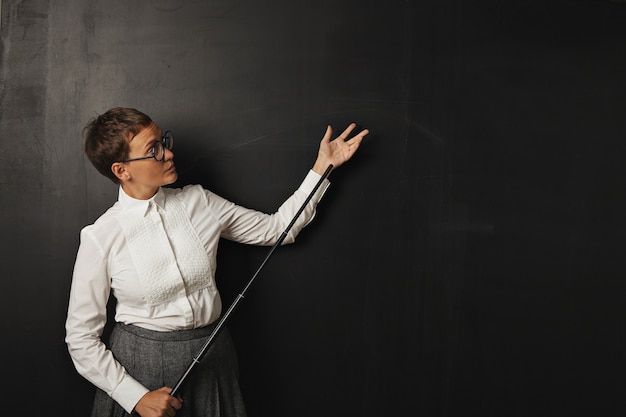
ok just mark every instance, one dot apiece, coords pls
pixel 145 176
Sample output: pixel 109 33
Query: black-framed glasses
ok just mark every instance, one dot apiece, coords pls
pixel 158 149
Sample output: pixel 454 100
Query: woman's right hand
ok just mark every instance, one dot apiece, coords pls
pixel 159 403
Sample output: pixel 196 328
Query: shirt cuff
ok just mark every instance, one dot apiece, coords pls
pixel 309 183
pixel 128 393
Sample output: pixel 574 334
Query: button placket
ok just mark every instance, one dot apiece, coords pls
pixel 181 300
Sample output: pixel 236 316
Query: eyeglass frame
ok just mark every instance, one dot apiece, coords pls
pixel 167 135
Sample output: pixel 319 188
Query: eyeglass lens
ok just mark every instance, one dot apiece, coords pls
pixel 159 147
pixel 168 140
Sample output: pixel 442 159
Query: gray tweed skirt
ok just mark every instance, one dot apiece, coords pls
pixel 158 359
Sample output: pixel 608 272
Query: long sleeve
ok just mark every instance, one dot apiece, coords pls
pixel 85 323
pixel 251 227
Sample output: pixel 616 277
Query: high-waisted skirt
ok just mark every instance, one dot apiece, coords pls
pixel 158 359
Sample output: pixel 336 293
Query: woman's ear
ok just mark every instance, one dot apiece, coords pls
pixel 120 171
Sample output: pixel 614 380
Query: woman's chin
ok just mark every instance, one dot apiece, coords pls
pixel 171 178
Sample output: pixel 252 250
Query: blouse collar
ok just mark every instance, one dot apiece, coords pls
pixel 141 206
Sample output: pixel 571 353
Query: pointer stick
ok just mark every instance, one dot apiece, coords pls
pixel 196 360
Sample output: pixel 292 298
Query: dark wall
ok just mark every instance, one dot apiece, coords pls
pixel 467 262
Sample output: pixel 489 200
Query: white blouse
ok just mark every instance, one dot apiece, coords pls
pixel 157 257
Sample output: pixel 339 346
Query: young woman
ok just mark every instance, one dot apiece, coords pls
pixel 155 250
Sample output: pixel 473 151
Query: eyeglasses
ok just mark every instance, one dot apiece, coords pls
pixel 158 149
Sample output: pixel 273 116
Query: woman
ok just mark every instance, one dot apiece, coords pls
pixel 155 250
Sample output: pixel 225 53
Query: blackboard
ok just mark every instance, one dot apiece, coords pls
pixel 467 262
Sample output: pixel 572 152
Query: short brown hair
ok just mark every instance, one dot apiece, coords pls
pixel 106 137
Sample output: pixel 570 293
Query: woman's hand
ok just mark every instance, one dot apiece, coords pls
pixel 339 150
pixel 159 403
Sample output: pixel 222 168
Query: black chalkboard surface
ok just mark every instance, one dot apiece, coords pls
pixel 466 262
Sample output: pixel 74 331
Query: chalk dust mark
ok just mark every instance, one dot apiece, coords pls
pixel 226 6
pixel 167 5
pixel 430 135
